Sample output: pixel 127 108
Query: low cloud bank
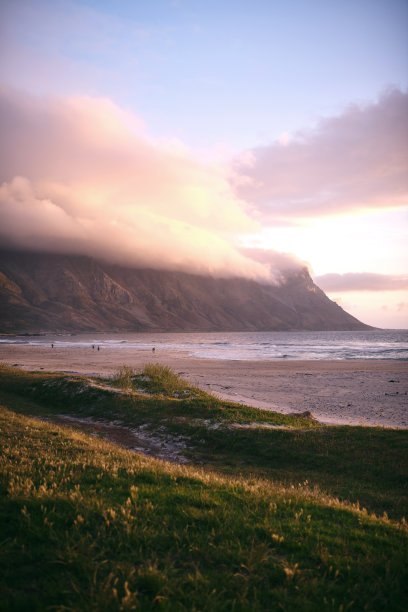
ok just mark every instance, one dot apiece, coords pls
pixel 279 265
pixel 361 281
pixel 80 175
pixel 358 160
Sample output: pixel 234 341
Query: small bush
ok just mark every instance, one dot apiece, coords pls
pixel 162 379
pixel 124 377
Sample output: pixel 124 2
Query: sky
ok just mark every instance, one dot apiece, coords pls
pixel 231 138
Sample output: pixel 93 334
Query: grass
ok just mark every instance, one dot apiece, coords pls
pixel 155 379
pixel 261 518
pixel 123 378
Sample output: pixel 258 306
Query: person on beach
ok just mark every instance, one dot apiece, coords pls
pixel 153 350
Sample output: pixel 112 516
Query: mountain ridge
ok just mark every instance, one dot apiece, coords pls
pixel 43 292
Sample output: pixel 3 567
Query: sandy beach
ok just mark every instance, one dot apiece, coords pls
pixel 346 392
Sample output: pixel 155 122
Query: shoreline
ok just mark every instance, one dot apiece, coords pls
pixel 349 392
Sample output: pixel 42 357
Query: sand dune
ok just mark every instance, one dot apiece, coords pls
pixel 346 392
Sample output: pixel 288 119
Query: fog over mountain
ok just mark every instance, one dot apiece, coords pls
pixel 80 175
pixel 42 292
pixel 89 203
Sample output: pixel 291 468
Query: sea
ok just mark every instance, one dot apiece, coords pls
pixel 338 345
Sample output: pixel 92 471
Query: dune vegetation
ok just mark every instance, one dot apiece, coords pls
pixel 253 510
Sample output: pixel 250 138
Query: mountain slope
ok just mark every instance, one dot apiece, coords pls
pixel 49 292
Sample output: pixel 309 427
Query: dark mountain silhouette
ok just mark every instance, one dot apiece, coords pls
pixel 49 292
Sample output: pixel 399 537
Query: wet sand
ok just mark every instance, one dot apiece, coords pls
pixel 346 392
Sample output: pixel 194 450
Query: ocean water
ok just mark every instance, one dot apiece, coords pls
pixel 378 344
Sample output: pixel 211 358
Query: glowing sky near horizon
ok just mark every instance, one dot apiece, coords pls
pixel 268 124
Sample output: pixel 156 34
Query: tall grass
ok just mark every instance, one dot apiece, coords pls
pixel 87 526
pixel 361 465
pixel 162 379
pixel 124 378
pixel 154 378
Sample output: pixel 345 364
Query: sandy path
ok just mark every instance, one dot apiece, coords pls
pixel 353 392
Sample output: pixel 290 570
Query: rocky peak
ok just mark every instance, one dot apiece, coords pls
pixel 49 292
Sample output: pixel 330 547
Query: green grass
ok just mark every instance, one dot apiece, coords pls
pixel 357 464
pixel 261 518
pixel 161 379
pixel 155 379
pixel 123 378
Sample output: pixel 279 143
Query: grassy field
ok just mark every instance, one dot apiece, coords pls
pixel 270 512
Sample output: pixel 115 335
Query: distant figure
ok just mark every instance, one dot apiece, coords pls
pixel 93 346
pixel 98 348
pixel 52 346
pixel 153 350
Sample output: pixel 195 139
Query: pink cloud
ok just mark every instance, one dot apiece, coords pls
pixel 81 175
pixel 354 161
pixel 278 264
pixel 362 281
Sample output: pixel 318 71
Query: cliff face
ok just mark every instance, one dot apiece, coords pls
pixel 43 292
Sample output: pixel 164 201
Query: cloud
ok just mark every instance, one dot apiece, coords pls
pixel 357 160
pixel 278 264
pixel 80 175
pixel 361 281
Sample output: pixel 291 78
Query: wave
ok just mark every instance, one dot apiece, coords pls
pixel 384 344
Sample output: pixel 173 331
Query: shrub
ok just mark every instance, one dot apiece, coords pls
pixel 162 379
pixel 124 377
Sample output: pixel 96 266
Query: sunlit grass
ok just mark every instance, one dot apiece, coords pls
pixel 363 465
pixel 86 526
pixel 124 378
pixel 154 378
pixel 162 379
pixel 307 517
